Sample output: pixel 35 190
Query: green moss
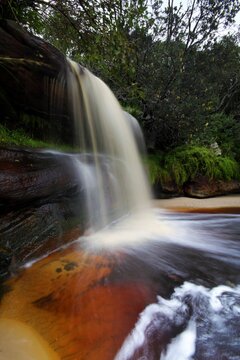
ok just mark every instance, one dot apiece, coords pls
pixel 20 138
pixel 187 162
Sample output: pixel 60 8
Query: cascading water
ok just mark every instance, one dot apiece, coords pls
pixel 103 131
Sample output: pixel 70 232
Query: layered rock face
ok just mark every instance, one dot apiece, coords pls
pixel 41 204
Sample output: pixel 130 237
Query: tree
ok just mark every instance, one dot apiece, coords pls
pixel 161 61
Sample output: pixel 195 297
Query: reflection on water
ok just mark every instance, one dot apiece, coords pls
pixel 172 295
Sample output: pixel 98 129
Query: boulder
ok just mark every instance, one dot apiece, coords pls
pixel 203 187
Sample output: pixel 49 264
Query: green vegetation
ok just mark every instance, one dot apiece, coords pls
pixel 187 162
pixel 19 138
pixel 223 130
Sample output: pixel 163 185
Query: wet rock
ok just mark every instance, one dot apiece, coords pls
pixel 28 175
pixel 41 201
pixel 201 187
pixel 204 187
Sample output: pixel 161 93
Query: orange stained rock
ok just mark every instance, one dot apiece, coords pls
pixel 70 299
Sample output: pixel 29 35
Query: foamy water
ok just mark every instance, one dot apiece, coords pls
pixel 195 323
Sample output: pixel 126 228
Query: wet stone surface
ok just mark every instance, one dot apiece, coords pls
pixel 40 203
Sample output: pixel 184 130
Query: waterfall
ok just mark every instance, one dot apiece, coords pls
pixel 115 179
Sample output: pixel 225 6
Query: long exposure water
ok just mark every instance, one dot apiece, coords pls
pixel 142 284
pixel 102 130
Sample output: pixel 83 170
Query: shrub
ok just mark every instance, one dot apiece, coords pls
pixel 187 162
